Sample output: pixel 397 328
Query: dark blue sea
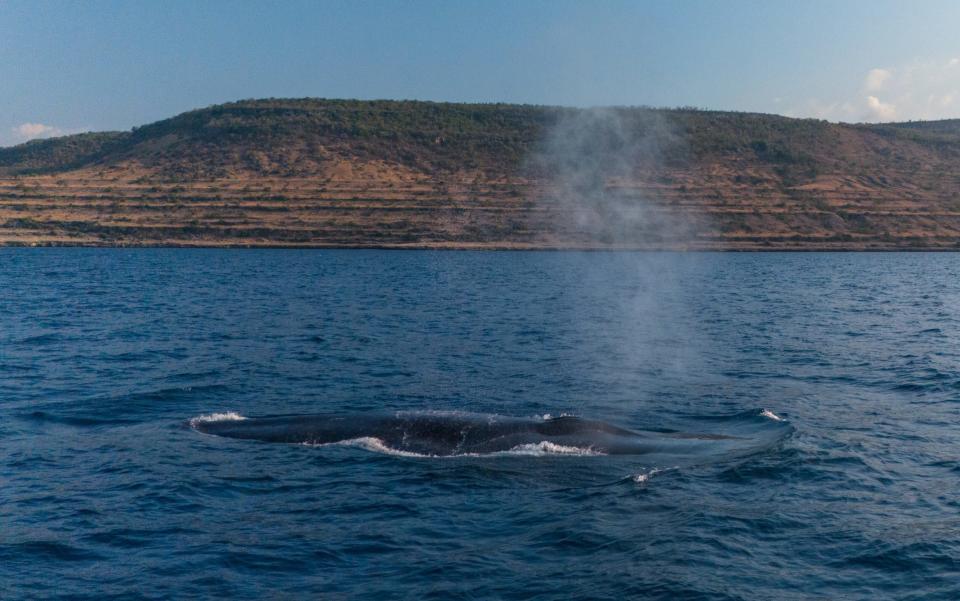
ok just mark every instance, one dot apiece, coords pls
pixel 106 491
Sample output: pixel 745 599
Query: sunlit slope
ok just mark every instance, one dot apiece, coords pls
pixel 414 174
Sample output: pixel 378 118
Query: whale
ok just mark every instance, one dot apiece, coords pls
pixel 443 434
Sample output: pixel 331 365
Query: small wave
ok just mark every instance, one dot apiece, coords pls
pixel 539 449
pixel 75 420
pixel 40 339
pixel 39 550
pixel 176 392
pixel 216 417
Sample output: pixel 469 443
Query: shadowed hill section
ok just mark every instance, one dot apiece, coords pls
pixel 314 172
pixel 60 154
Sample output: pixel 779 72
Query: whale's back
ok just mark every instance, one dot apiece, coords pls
pixel 432 433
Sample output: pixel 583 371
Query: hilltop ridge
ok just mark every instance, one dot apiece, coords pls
pixel 317 172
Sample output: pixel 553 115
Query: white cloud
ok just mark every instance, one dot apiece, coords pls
pixel 30 131
pixel 881 111
pixel 876 78
pixel 918 90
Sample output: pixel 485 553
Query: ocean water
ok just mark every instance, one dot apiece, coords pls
pixel 106 491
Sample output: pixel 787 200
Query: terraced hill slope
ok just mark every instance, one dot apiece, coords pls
pixel 334 173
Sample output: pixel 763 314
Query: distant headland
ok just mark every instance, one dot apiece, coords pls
pixel 411 174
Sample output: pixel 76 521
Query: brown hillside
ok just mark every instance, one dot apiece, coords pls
pixel 414 174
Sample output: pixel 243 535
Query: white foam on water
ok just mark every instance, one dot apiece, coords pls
pixel 369 443
pixel 539 449
pixel 228 416
pixel 645 477
pixel 544 448
pixel 549 416
pixel 771 415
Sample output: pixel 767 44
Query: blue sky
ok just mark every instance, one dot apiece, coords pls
pixel 78 66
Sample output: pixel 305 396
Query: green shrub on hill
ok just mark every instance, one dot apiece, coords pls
pixel 292 137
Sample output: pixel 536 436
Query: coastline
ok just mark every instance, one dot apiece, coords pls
pixel 759 248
